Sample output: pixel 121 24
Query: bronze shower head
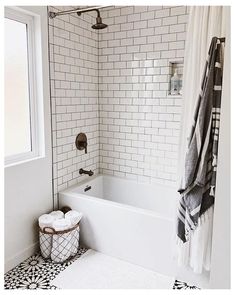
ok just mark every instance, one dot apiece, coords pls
pixel 98 25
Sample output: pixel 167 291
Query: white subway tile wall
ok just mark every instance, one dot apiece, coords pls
pixel 113 85
pixel 74 95
pixel 139 121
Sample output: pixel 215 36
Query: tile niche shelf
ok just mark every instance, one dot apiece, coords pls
pixel 175 64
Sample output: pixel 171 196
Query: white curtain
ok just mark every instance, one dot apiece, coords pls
pixel 205 22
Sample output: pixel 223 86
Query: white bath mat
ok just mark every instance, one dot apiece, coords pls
pixel 94 270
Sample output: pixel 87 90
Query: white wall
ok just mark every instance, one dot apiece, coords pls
pixel 139 122
pixel 131 124
pixel 74 94
pixel 28 186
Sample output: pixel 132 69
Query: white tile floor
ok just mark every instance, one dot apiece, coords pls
pixel 96 270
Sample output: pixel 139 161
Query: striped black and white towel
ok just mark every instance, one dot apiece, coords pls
pixel 197 189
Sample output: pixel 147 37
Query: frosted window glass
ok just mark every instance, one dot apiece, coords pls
pixel 17 109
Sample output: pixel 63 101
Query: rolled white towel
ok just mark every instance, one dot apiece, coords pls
pixel 61 224
pixel 46 220
pixel 73 216
pixel 57 214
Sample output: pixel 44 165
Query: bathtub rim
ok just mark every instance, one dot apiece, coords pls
pixel 69 192
pixel 118 177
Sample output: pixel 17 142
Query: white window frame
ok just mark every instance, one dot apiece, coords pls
pixel 34 105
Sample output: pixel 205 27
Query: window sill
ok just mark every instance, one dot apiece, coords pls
pixel 9 164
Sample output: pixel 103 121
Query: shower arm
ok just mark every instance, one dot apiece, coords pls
pixel 77 10
pixel 93 9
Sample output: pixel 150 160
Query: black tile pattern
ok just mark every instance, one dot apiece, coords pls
pixel 179 285
pixel 37 273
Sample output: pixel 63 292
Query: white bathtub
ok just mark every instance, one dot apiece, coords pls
pixel 126 219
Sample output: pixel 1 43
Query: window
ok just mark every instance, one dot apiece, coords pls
pixel 21 113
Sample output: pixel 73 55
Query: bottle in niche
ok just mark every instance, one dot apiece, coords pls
pixel 175 81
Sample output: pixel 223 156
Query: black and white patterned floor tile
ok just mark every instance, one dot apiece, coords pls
pixel 37 273
pixel 179 285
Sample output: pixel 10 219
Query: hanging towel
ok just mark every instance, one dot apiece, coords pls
pixel 197 189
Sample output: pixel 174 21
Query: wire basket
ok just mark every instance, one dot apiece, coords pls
pixel 59 246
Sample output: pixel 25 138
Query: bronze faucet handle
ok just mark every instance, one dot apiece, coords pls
pixel 81 142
